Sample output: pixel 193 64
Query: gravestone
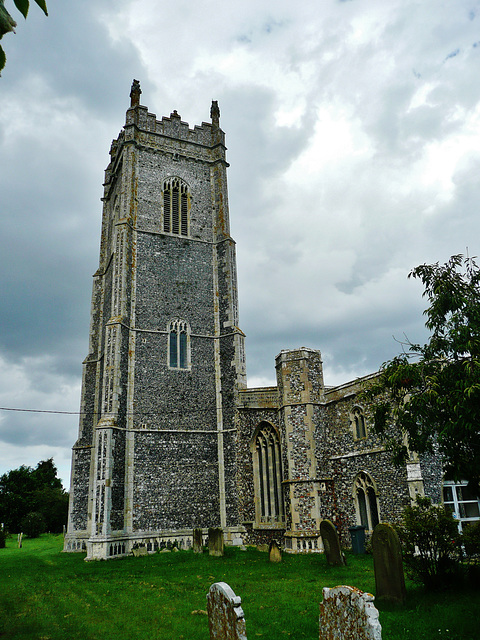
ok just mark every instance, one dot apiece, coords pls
pixel 274 553
pixel 197 541
pixel 388 565
pixel 139 551
pixel 215 542
pixel 331 544
pixel 226 619
pixel 347 613
pixel 262 547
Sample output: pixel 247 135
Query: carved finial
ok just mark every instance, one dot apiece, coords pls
pixel 174 114
pixel 215 113
pixel 135 94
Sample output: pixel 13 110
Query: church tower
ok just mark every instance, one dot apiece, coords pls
pixel 155 456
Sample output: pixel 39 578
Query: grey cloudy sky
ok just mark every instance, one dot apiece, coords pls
pixel 353 134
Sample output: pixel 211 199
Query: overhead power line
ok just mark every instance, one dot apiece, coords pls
pixel 72 413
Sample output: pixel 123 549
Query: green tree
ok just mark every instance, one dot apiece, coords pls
pixel 26 490
pixel 428 397
pixel 7 23
pixel 33 524
pixel 431 543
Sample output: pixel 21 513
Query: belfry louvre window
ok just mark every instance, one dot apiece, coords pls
pixel 176 207
pixel 178 345
pixel 366 501
pixel 268 475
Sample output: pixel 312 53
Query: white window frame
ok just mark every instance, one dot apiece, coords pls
pixel 455 505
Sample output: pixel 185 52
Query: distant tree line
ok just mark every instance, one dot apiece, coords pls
pixel 33 500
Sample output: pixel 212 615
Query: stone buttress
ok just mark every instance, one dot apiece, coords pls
pixel 300 393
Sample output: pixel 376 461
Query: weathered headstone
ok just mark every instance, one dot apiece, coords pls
pixel 388 565
pixel 226 619
pixel 139 551
pixel 197 541
pixel 215 542
pixel 262 547
pixel 347 613
pixel 331 544
pixel 274 553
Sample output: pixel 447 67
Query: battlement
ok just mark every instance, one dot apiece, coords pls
pixel 208 133
pixel 174 127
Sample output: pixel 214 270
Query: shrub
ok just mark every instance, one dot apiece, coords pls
pixel 3 537
pixel 471 541
pixel 33 524
pixel 431 543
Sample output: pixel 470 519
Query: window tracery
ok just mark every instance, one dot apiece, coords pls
pixel 366 502
pixel 178 344
pixel 268 475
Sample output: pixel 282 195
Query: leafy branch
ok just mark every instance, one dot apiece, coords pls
pixel 8 24
pixel 428 396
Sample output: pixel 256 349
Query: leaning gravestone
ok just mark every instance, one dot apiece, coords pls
pixel 347 613
pixel 274 553
pixel 215 542
pixel 331 544
pixel 226 619
pixel 197 541
pixel 388 565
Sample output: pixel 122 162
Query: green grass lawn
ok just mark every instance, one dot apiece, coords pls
pixel 48 595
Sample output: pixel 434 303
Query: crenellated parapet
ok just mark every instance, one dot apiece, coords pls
pixel 139 119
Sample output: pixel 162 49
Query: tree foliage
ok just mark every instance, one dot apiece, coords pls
pixel 7 23
pixel 431 393
pixel 33 524
pixel 431 543
pixel 26 490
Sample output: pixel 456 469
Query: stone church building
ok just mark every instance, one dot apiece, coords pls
pixel 170 437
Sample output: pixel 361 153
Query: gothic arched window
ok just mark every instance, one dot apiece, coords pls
pixel 267 469
pixel 178 345
pixel 357 419
pixel 366 502
pixel 176 207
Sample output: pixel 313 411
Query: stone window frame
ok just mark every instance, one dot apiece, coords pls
pixel 179 345
pixel 358 423
pixel 176 208
pixel 365 495
pixel 267 477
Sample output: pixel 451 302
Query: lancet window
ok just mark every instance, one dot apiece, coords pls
pixel 268 475
pixel 176 207
pixel 178 345
pixel 358 423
